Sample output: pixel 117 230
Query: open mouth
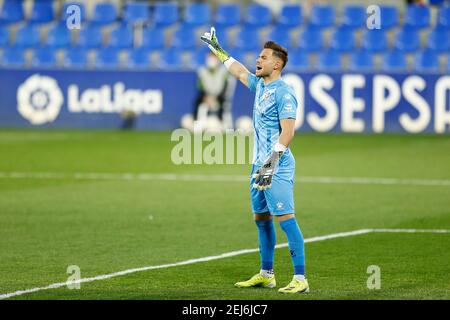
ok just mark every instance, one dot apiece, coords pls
pixel 258 68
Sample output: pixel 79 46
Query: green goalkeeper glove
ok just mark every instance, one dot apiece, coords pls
pixel 210 39
pixel 263 176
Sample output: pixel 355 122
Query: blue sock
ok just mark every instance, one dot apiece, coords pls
pixel 296 244
pixel 267 241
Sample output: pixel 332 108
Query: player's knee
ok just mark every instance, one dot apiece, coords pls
pixel 262 216
pixel 285 217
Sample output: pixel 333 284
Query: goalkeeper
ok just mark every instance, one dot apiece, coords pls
pixel 272 177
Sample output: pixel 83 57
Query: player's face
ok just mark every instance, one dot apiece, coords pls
pixel 265 63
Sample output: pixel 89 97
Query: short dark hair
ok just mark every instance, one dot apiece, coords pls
pixel 278 51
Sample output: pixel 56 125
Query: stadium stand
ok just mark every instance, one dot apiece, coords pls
pixel 106 58
pixel 138 58
pixel 361 60
pixel 170 59
pixel 329 60
pixel 13 57
pixel 407 39
pixel 322 16
pixel 104 14
pixel 197 14
pixel 44 57
pixel 121 37
pixel 42 12
pixel 426 60
pixel 27 36
pixel 90 37
pixel 75 58
pixel 332 37
pixel 290 16
pixel 227 15
pixel 389 17
pixel 58 36
pixel 394 60
pixel 354 16
pixel 153 38
pixel 257 16
pixel 165 14
pixel 11 12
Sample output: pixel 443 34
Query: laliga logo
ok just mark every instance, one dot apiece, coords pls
pixel 39 99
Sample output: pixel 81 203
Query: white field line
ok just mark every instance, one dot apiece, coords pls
pixel 216 178
pixel 217 257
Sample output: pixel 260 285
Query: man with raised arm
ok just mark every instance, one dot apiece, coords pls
pixel 273 169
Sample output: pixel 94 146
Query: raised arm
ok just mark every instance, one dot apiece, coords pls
pixel 236 68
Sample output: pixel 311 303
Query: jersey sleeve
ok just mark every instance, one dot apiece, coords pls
pixel 286 104
pixel 252 81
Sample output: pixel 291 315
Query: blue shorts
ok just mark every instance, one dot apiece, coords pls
pixel 279 199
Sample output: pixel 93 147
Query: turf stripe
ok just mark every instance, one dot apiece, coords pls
pixel 216 178
pixel 217 257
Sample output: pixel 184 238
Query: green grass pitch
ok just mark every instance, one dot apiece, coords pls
pixel 108 225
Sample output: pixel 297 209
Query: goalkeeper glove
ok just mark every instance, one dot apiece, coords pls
pixel 210 39
pixel 263 176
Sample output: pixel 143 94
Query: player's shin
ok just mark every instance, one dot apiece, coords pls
pixel 296 245
pixel 267 241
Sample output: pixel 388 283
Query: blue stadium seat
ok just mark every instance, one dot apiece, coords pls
pixel 44 57
pixel 298 60
pixel 252 56
pixel 227 15
pixel 343 39
pixel 222 35
pixel 75 57
pixel 394 60
pixel 322 16
pixel 58 36
pixel 426 60
pixel 136 12
pixel 121 37
pixel 375 40
pixel 107 58
pixel 257 16
pixel 27 36
pixel 198 57
pixel 64 14
pixel 311 39
pixel 11 12
pixel 42 12
pixel 329 60
pixel 4 36
pixel 280 34
pixel 138 58
pixel 197 14
pixel 290 16
pixel 170 59
pixel 388 17
pixel 439 40
pixel 184 38
pixel 165 14
pixel 407 39
pixel 361 60
pixel 354 16
pixel 153 38
pixel 13 57
pixel 444 17
pixel 104 13
pixel 247 40
pixel 90 37
pixel 238 54
pixel 417 16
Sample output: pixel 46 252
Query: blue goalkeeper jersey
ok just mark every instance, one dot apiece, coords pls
pixel 273 102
